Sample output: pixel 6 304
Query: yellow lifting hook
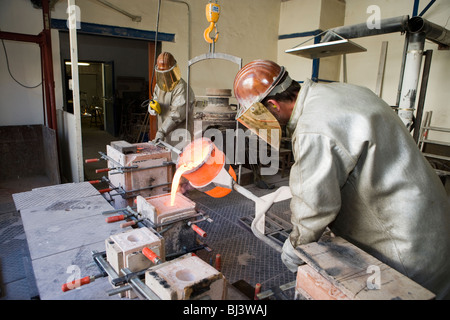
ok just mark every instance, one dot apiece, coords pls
pixel 212 15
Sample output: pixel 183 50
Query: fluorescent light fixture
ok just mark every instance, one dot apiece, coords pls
pixel 79 63
pixel 327 49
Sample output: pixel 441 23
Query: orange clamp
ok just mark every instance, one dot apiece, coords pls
pixel 105 190
pixel 77 283
pixel 257 291
pixel 91 160
pixel 218 262
pixel 198 230
pixel 152 256
pixel 128 224
pixel 115 218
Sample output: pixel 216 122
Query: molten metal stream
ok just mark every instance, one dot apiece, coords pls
pixel 176 179
pixel 199 157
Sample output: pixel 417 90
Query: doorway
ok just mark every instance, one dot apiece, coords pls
pixel 96 83
pixel 117 76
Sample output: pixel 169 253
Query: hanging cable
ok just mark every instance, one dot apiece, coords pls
pixel 10 73
pixel 156 43
pixel 146 102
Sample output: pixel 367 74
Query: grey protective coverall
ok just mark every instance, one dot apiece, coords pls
pixel 358 171
pixel 173 112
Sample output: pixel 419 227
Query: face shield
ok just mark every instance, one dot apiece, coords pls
pixel 260 121
pixel 167 80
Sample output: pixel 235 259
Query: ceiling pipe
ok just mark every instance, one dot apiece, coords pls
pixel 402 24
pixel 432 31
pixel 390 25
pixel 417 31
pixel 410 79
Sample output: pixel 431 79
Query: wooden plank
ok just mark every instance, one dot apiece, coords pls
pixel 355 273
pixel 381 69
pixel 316 287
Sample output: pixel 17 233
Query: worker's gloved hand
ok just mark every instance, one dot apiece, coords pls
pixel 289 258
pixel 154 108
pixel 159 136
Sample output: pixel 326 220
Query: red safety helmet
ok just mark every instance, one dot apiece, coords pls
pixel 165 61
pixel 257 80
pixel 168 73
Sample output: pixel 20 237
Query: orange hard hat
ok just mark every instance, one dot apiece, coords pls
pixel 256 80
pixel 165 61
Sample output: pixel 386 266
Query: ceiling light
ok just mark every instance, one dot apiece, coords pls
pixel 79 63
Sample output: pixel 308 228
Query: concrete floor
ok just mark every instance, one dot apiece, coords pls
pixel 17 280
pixel 243 256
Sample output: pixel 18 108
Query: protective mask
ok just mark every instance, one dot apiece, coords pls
pixel 263 123
pixel 167 80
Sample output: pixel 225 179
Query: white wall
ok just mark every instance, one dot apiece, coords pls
pixel 297 16
pixel 248 29
pixel 19 105
pixel 362 67
pixel 300 16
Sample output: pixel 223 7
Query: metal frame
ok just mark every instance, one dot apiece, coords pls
pixel 426 127
pixel 208 56
pixel 417 31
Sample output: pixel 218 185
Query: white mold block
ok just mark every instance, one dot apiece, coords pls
pixel 124 249
pixel 186 278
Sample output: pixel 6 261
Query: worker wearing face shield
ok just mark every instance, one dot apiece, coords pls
pixel 357 171
pixel 169 101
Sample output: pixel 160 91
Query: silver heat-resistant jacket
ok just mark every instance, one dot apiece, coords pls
pixel 173 111
pixel 358 171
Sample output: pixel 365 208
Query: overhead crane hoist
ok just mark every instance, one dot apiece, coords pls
pixel 212 15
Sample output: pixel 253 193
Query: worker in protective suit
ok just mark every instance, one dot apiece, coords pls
pixel 357 171
pixel 169 102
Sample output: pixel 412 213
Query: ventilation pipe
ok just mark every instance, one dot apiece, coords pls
pixel 410 79
pixel 390 25
pixel 433 32
pixel 418 30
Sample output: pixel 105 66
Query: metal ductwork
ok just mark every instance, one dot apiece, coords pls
pixel 390 25
pixel 432 31
pixel 417 31
pixel 402 24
